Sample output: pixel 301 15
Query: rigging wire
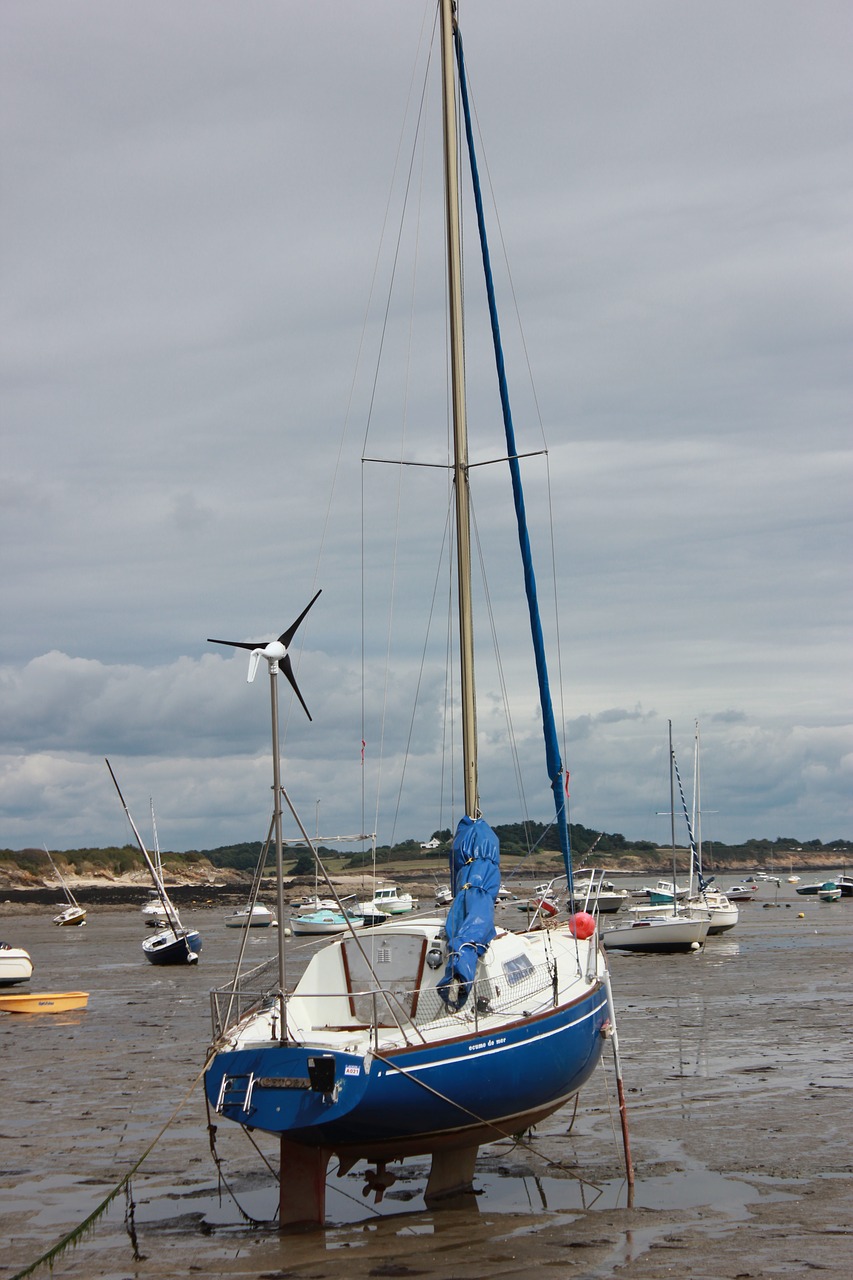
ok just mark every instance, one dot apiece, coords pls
pixel 369 418
pixel 448 525
pixel 513 742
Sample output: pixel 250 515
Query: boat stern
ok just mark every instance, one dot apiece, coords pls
pixel 285 1088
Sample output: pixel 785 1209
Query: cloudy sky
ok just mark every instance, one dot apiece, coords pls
pixel 195 276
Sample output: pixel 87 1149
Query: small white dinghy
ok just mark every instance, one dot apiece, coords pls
pixel 255 917
pixel 15 965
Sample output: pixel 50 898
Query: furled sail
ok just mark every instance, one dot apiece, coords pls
pixel 475 876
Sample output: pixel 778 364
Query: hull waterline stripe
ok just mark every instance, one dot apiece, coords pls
pixel 485 1053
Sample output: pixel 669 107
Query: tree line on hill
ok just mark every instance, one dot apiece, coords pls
pixel 517 839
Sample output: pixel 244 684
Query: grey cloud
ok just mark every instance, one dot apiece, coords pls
pixel 192 212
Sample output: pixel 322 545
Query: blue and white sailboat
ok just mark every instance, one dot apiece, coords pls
pixel 420 1036
pixel 173 943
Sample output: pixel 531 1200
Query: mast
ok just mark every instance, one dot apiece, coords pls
pixel 460 426
pixel 69 896
pixel 699 875
pixel 672 819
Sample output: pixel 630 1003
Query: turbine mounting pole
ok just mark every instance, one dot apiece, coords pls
pixel 279 859
pixel 278 659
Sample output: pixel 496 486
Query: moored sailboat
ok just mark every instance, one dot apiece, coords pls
pixel 724 912
pixel 664 927
pixel 72 913
pixel 152 910
pixel 174 944
pixel 420 1036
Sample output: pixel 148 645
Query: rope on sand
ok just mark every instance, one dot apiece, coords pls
pixel 73 1238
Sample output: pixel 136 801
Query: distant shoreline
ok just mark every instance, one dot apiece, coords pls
pixel 133 891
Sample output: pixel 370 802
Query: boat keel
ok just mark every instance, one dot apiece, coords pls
pixel 302 1184
pixel 451 1174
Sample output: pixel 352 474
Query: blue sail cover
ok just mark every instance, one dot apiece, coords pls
pixel 475 877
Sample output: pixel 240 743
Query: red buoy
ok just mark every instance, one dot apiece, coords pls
pixel 582 924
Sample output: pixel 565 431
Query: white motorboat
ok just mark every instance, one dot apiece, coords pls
pixel 255 917
pixel 742 892
pixel 664 892
pixel 152 911
pixel 664 932
pixel 15 965
pixel 594 893
pixel 389 900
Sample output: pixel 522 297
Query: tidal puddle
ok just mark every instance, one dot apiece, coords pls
pixel 497 1192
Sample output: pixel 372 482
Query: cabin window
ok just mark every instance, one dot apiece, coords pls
pixel 517 969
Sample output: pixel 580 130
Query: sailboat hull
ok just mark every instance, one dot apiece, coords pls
pixel 169 947
pixel 70 916
pixel 413 1100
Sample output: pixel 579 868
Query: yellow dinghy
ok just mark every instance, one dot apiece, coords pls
pixel 43 1001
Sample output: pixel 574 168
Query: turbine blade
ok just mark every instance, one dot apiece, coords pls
pixel 286 636
pixel 286 666
pixel 235 644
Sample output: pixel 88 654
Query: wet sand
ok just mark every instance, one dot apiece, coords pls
pixel 737 1061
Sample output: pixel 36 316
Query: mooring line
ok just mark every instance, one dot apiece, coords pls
pixel 223 1181
pixel 73 1237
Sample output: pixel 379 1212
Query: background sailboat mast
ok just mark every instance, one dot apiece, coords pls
pixel 672 818
pixel 460 427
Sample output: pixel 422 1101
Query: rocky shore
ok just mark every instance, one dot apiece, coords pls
pixel 204 886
